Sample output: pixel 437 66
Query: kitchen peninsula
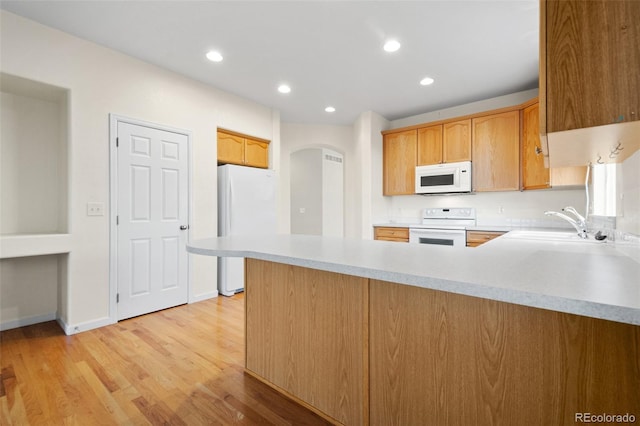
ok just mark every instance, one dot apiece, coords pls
pixel 375 332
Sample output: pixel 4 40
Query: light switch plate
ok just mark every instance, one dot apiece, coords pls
pixel 95 209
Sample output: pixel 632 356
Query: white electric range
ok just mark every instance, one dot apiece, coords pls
pixel 443 226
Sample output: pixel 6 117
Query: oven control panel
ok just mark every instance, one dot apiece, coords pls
pixel 449 213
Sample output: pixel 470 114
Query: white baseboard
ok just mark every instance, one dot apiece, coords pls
pixel 203 296
pixel 23 322
pixel 70 329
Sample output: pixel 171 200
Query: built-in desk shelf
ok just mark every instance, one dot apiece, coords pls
pixel 23 245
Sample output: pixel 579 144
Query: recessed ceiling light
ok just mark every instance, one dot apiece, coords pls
pixel 391 46
pixel 426 81
pixel 330 109
pixel 214 56
pixel 283 88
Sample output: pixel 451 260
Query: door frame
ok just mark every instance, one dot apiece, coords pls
pixel 114 119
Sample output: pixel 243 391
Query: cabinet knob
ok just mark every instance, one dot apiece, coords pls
pixel 184 227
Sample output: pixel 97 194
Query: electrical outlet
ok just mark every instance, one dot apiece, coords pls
pixel 95 209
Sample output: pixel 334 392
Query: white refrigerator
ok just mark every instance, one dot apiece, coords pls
pixel 246 206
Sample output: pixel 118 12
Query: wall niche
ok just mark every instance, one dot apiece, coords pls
pixel 34 198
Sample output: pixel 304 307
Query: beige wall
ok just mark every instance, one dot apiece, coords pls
pixel 101 82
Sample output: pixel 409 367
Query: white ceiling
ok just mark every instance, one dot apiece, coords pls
pixel 329 52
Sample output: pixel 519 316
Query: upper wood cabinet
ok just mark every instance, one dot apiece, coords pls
pixel 589 62
pixel 430 145
pixel 399 159
pixel 496 152
pixel 456 141
pixel 235 148
pixel 444 143
pixel 534 173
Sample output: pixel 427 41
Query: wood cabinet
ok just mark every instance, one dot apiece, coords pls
pixel 444 143
pixel 430 145
pixel 456 141
pixel 235 148
pixel 534 173
pixel 496 152
pixel 476 238
pixel 391 233
pixel 589 62
pixel 399 159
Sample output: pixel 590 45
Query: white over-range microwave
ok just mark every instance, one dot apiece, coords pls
pixel 444 178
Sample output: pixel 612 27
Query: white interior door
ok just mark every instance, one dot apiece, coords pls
pixel 152 219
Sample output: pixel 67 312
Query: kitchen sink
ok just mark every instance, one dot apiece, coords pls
pixel 554 236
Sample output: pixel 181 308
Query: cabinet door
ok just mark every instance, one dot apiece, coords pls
pixel 456 141
pixel 534 174
pixel 256 153
pixel 496 152
pixel 399 159
pixel 230 148
pixel 430 145
pixel 591 60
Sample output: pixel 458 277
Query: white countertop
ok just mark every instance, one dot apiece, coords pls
pixel 595 280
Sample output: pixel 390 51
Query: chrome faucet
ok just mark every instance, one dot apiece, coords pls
pixel 579 223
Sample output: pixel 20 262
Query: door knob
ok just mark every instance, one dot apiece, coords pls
pixel 184 227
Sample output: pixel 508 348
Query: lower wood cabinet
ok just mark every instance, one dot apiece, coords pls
pixel 391 233
pixel 476 238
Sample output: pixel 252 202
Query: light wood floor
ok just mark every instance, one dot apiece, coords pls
pixel 181 366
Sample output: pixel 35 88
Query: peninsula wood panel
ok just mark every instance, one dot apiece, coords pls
pixel 496 152
pixel 306 333
pixel 441 358
pixel 589 63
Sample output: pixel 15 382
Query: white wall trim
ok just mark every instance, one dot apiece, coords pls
pixel 203 296
pixel 23 322
pixel 114 119
pixel 85 326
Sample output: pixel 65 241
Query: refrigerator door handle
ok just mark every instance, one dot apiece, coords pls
pixel 228 213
